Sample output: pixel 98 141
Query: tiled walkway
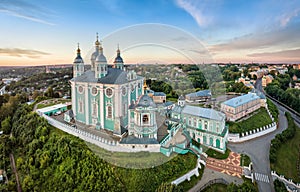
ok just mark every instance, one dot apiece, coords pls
pixel 230 166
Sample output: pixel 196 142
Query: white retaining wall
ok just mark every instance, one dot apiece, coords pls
pixel 283 179
pixel 248 135
pixel 107 144
pixel 188 175
pixel 235 138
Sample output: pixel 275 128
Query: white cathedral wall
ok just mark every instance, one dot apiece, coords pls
pixel 73 96
pixel 86 101
pixel 101 95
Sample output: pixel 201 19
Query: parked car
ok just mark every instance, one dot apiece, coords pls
pixel 57 113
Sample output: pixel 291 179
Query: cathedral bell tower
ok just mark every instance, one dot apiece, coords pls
pixel 78 64
pixel 95 54
pixel 118 63
pixel 101 66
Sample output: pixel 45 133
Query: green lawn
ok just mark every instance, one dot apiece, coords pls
pixel 186 185
pixel 287 157
pixel 141 159
pixel 217 155
pixel 273 109
pixel 52 102
pixel 245 160
pixel 259 119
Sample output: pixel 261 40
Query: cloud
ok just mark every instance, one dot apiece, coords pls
pixel 25 10
pixel 292 53
pixel 16 52
pixel 189 7
pixel 286 18
pixel 199 10
pixel 260 40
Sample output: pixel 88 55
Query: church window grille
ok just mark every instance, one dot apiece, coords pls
pixel 109 112
pixel 80 89
pixel 145 119
pixel 94 90
pixel 80 106
pixel 109 92
pixel 124 91
pixel 94 111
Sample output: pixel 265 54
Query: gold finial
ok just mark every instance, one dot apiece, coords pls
pixel 97 41
pixel 101 48
pixel 145 87
pixel 145 84
pixel 118 50
pixel 78 49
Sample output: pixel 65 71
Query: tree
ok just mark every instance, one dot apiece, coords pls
pixel 279 186
pixel 49 92
pixel 6 125
pixel 168 187
pixel 35 94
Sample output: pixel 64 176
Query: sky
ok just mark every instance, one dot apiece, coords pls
pixel 47 32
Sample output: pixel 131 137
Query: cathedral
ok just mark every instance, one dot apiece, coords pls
pixel 101 95
pixel 109 97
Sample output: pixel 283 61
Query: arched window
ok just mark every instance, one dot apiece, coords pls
pixel 199 124
pixel 109 92
pixel 145 119
pixel 205 125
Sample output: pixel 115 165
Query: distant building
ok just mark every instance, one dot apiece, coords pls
pixel 7 81
pixel 282 71
pixel 254 68
pixel 159 97
pixel 266 80
pixel 1 175
pixel 206 126
pixel 241 106
pixel 297 86
pixel 295 78
pixel 2 90
pixel 51 110
pixel 199 96
pixel 296 66
pixel 246 81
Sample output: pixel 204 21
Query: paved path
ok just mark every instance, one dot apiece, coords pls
pixel 230 166
pixel 258 151
pixel 210 174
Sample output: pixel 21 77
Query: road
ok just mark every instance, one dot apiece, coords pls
pixel 283 107
pixel 13 166
pixel 258 151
